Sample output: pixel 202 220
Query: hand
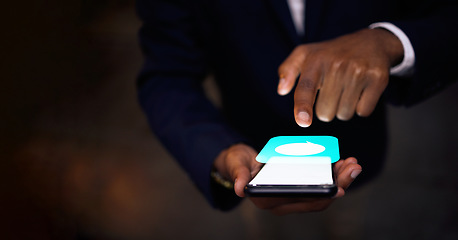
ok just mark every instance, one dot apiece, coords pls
pixel 345 170
pixel 351 72
pixel 238 164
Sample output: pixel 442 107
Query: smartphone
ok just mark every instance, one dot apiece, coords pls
pixel 307 177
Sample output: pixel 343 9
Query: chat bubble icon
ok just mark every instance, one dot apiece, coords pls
pixel 287 147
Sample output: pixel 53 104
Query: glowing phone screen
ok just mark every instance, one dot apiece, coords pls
pixel 295 171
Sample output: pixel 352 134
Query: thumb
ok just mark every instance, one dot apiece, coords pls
pixel 289 70
pixel 242 177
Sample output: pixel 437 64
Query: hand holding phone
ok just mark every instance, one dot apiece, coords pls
pixel 296 166
pixel 238 164
pixel 345 171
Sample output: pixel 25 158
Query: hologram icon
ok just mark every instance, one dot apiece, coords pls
pixel 300 147
pixel 297 149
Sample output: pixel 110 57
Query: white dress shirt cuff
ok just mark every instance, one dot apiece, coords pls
pixel 406 67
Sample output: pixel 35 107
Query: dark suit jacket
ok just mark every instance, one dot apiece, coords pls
pixel 242 43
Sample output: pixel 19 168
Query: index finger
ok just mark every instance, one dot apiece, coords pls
pixel 305 95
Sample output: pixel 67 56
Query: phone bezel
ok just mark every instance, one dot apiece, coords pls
pixel 315 191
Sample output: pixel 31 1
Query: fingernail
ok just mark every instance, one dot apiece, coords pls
pixel 355 173
pixel 281 87
pixel 352 160
pixel 304 117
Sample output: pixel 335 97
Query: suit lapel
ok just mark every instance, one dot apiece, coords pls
pixel 313 19
pixel 281 11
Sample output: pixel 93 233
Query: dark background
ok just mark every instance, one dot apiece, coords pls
pixel 78 160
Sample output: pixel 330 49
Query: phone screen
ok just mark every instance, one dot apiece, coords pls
pixel 295 171
pixel 296 166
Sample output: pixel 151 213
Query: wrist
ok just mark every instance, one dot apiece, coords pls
pixel 406 66
pixel 219 164
pixel 220 180
pixel 391 45
pixel 228 163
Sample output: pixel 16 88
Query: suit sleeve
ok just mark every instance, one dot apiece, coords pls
pixel 171 94
pixel 432 28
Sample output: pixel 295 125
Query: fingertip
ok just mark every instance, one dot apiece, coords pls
pixel 324 118
pixel 286 83
pixel 239 188
pixel 282 92
pixel 364 109
pixel 348 174
pixel 358 112
pixel 303 119
pixel 362 114
pixel 282 87
pixel 352 160
pixel 344 116
pixel 355 173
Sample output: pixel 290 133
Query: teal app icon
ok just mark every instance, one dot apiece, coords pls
pixel 285 148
